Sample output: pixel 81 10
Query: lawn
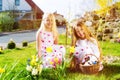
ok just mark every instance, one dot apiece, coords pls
pixel 14 62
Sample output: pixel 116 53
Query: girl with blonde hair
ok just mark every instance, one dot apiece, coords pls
pixel 85 45
pixel 47 42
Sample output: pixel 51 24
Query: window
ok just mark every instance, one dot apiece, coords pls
pixel 17 2
pixel 0 5
pixel 0 8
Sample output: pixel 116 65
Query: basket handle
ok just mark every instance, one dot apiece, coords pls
pixel 89 54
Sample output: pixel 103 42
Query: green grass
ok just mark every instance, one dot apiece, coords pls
pixel 20 56
pixel 109 48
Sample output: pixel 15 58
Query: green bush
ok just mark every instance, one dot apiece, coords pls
pixel 1 52
pixel 11 45
pixel 24 43
pixel 6 21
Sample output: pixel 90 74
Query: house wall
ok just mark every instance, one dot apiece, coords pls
pixel 25 18
pixel 10 5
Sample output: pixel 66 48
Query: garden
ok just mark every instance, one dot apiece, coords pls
pixel 15 61
pixel 13 64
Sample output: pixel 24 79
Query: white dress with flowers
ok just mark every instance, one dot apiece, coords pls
pixel 52 54
pixel 84 47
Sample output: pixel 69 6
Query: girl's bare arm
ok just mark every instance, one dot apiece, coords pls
pixel 38 40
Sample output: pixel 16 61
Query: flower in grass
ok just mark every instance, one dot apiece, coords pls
pixel 49 49
pixel 29 68
pixel 55 61
pixel 72 49
pixel 40 67
pixel 34 71
pixel 110 59
pixel 33 57
pixel 0 49
pixel 34 66
pixel 2 70
pixel 33 62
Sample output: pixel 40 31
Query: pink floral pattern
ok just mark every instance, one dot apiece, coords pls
pixel 57 53
pixel 84 47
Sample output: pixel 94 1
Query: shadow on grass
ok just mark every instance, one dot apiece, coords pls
pixel 18 48
pixel 111 70
pixel 49 74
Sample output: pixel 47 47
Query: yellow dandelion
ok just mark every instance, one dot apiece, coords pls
pixel 49 49
pixel 72 49
pixel 102 3
pixel 2 70
pixel 33 57
pixel 33 62
pixel 0 49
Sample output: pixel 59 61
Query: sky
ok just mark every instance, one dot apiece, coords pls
pixel 70 9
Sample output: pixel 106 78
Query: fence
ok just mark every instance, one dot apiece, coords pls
pixel 29 24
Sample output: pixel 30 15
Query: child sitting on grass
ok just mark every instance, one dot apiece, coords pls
pixel 47 42
pixel 84 43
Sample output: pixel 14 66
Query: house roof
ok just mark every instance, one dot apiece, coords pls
pixel 34 6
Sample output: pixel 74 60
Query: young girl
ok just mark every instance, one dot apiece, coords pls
pixel 85 45
pixel 47 40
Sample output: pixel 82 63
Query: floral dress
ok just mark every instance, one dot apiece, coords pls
pixel 52 54
pixel 84 47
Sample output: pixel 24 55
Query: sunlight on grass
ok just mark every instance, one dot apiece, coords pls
pixel 63 40
pixel 9 56
pixel 109 48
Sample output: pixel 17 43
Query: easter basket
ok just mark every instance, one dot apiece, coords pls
pixel 90 69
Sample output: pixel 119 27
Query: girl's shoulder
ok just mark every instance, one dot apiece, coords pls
pixel 94 40
pixel 81 42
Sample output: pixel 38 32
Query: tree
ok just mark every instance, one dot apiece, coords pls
pixel 104 6
pixel 6 22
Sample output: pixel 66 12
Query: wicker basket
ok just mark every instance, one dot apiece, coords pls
pixel 90 69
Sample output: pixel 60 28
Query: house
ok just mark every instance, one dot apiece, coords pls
pixel 37 12
pixel 21 5
pixel 25 11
